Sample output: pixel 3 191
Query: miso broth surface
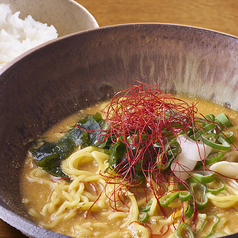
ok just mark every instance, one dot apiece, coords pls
pixel 35 194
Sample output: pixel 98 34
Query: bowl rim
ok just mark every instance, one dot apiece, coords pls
pixel 93 19
pixel 26 226
pixel 194 28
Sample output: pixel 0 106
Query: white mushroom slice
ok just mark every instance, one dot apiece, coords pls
pixel 193 150
pixel 229 169
pixel 182 166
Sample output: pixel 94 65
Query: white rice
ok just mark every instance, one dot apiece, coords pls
pixel 18 36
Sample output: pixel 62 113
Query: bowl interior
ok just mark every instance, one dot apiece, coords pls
pixel 56 79
pixel 66 15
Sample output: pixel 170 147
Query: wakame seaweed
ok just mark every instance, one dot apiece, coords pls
pixel 90 131
pixel 50 154
pixel 118 161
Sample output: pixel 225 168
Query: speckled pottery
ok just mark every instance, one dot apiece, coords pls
pixel 66 15
pixel 56 79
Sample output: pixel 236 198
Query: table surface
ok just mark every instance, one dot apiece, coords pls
pixel 216 15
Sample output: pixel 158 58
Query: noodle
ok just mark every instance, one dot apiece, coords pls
pixel 96 204
pixel 67 199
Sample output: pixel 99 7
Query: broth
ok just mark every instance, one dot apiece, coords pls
pixel 38 190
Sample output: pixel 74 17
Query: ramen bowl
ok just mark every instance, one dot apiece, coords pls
pixel 67 16
pixel 56 79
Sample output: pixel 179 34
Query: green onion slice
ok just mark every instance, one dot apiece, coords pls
pixel 224 120
pixel 213 158
pixel 228 136
pixel 221 145
pixel 173 149
pixel 201 176
pixel 210 117
pixel 209 224
pixel 185 196
pixel 147 207
pixel 184 230
pixel 163 165
pixel 190 210
pixel 203 222
pixel 168 198
pixel 215 187
pixel 199 191
pixel 202 131
pixel 143 217
pixel 214 221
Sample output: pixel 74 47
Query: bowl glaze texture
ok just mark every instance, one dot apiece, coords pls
pixel 56 79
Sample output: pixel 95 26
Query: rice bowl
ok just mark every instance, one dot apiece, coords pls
pixel 18 35
pixel 30 23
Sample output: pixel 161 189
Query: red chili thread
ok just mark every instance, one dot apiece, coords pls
pixel 162 232
pixel 94 187
pixel 148 116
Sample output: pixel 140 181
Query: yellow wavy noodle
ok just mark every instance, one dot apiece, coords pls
pixel 37 175
pixel 55 220
pixel 67 200
pixel 140 230
pixel 68 203
pixel 222 224
pixel 116 215
pixel 223 201
pixel 90 189
pixel 134 211
pixel 114 234
pixel 33 213
pixel 227 198
pixel 153 208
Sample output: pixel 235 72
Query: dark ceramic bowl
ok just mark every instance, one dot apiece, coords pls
pixel 61 77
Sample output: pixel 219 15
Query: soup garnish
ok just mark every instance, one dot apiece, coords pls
pixel 156 144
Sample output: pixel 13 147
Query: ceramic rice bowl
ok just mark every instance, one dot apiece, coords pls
pixel 67 16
